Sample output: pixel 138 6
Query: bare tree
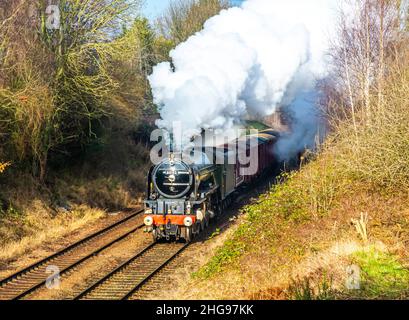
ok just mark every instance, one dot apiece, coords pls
pixel 186 17
pixel 54 79
pixel 365 41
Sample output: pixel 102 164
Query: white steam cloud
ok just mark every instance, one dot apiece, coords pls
pixel 248 61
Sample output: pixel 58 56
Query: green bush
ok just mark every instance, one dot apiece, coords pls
pixel 382 276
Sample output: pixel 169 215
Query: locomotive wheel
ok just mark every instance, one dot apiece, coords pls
pixel 154 235
pixel 229 201
pixel 218 211
pixel 207 221
pixel 188 234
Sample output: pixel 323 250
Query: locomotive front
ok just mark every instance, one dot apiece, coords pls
pixel 178 204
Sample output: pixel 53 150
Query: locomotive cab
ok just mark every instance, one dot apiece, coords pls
pixel 181 199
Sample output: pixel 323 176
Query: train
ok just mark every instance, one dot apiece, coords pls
pixel 182 198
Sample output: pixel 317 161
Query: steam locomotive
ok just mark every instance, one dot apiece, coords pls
pixel 183 198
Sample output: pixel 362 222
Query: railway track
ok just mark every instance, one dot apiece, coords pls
pixel 128 278
pixel 26 281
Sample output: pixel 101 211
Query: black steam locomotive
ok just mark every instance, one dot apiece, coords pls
pixel 182 198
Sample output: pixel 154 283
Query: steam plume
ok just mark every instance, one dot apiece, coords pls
pixel 247 61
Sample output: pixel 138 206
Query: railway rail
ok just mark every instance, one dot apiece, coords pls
pixel 28 280
pixel 128 278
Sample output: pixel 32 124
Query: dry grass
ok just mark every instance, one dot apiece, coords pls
pixel 32 214
pixel 112 178
pixel 290 253
pixel 40 227
pixel 361 226
pixel 288 245
pixel 181 285
pixel 298 240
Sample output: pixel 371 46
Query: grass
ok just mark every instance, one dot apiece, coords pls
pixel 300 218
pixel 227 254
pixel 382 276
pixel 111 178
pixel 288 204
pixel 358 181
pixel 22 233
pixel 306 290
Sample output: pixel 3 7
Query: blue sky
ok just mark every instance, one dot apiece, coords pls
pixel 153 8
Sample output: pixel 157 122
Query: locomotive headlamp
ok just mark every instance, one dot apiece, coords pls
pixel 188 222
pixel 148 221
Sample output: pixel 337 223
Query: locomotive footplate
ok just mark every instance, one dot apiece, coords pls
pixel 173 220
